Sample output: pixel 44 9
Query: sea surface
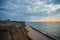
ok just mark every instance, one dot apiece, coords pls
pixel 51 28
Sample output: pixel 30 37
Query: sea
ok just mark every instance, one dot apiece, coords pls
pixel 50 28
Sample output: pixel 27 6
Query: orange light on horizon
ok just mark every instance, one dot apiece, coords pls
pixel 47 20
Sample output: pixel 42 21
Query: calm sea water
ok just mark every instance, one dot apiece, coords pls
pixel 52 28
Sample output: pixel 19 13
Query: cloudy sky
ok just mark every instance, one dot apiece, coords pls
pixel 30 10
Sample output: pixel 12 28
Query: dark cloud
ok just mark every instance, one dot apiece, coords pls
pixel 3 2
pixel 57 11
pixel 1 15
pixel 1 9
pixel 56 1
pixel 51 1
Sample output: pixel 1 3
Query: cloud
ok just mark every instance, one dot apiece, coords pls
pixel 39 6
pixel 56 1
pixel 30 9
pixel 42 8
pixel 32 18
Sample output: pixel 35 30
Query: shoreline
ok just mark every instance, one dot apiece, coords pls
pixel 45 34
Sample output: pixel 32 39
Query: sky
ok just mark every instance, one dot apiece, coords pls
pixel 30 10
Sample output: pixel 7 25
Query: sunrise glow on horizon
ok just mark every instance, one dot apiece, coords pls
pixel 47 20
